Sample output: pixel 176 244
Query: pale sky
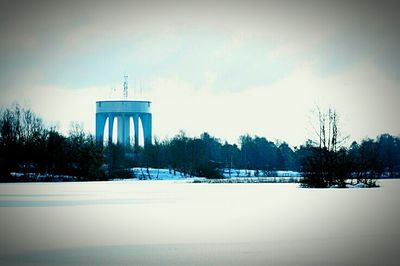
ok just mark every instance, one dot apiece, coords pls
pixel 227 68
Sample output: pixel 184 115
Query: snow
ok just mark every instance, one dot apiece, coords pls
pixel 235 174
pixel 157 174
pixel 360 185
pixel 180 223
pixel 252 173
pixel 44 177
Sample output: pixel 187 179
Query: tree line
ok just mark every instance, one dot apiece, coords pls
pixel 321 165
pixel 27 146
pixel 207 155
pixel 327 162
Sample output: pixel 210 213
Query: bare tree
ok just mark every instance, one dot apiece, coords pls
pixel 327 129
pixel 324 165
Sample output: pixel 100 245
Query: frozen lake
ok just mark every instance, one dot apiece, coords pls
pixel 178 223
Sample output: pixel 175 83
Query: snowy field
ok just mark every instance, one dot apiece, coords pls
pixel 168 222
pixel 166 174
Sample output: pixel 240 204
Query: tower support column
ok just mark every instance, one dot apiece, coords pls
pixel 146 124
pixel 136 129
pixel 127 130
pixel 110 127
pixel 100 124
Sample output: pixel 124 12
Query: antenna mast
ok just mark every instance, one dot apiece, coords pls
pixel 125 86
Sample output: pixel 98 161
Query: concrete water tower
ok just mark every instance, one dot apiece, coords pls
pixel 123 110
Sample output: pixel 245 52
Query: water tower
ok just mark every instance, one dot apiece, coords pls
pixel 123 110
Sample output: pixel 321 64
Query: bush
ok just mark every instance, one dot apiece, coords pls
pixel 208 170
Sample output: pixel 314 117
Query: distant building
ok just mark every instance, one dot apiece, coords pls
pixel 123 110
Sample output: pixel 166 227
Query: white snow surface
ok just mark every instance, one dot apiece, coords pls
pixel 180 223
pixel 167 174
pixel 158 174
pixel 252 173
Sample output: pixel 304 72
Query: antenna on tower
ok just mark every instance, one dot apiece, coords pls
pixel 125 86
pixel 112 90
pixel 134 88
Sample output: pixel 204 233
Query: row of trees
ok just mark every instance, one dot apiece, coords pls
pixel 206 155
pixel 322 164
pixel 326 162
pixel 27 146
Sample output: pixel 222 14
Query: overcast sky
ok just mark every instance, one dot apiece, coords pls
pixel 228 68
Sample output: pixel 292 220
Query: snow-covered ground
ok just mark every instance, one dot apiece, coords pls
pixel 179 223
pixel 167 174
pixel 254 173
pixel 157 174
